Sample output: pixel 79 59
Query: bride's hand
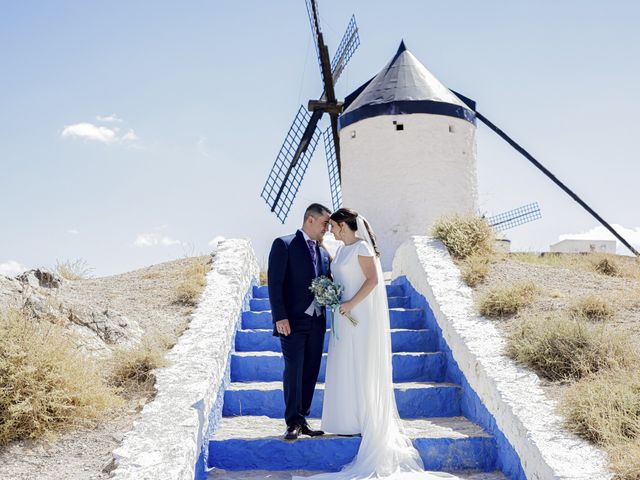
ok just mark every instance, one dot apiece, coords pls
pixel 346 307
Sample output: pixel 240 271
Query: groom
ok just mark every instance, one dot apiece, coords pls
pixel 294 261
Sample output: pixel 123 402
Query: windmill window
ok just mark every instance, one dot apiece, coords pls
pixel 353 134
pixel 399 126
pixel 451 129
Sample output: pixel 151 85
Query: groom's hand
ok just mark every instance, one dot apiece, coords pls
pixel 283 327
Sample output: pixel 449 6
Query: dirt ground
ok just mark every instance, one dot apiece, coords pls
pixel 146 295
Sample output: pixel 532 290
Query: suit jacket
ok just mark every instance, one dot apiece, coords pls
pixel 290 275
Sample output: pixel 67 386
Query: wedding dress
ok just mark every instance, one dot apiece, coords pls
pixel 359 395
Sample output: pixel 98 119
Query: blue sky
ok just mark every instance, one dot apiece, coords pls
pixel 136 132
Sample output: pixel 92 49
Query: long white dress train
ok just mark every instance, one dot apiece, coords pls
pixel 359 395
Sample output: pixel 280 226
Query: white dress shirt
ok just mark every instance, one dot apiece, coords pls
pixel 314 305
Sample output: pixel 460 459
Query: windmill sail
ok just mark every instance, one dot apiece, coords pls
pixel 286 175
pixel 291 164
pixel 332 167
pixel 517 216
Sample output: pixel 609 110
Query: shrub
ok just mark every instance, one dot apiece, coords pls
pixel 131 370
pixel 45 383
pixel 192 283
pixel 76 270
pixel 605 408
pixel 464 235
pixel 592 307
pixel 560 348
pixel 506 299
pixel 475 270
pixel 606 266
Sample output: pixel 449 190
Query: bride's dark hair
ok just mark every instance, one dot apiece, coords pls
pixel 348 216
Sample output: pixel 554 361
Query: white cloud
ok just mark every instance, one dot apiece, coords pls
pixel 202 146
pixel 599 232
pixel 100 133
pixel 73 231
pixel 11 268
pixel 153 239
pixel 130 136
pixel 108 118
pixel 89 131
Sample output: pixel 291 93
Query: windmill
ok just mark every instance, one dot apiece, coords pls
pixel 517 216
pixel 290 166
pixel 407 140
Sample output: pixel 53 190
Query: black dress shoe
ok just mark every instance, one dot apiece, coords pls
pixel 293 432
pixel 306 430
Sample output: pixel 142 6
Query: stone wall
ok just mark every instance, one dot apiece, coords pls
pixel 166 441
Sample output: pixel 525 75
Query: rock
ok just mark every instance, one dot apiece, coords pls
pixel 40 278
pixel 110 325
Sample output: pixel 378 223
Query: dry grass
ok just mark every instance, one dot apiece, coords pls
pixel 193 281
pixel 625 459
pixel 131 370
pixel 464 235
pixel 46 385
pixel 605 408
pixel 507 299
pixel 603 263
pixel 73 270
pixel 263 278
pixel 592 307
pixel 606 265
pixel 474 269
pixel 560 348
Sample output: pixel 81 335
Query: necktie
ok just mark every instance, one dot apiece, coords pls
pixel 312 250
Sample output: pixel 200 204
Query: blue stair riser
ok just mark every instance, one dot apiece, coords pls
pixel 401 340
pixel 332 453
pixel 435 401
pixel 427 367
pixel 263 304
pixel 399 319
pixel 263 291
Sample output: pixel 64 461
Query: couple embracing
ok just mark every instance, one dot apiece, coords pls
pixel 358 395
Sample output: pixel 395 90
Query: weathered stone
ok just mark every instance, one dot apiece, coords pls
pixel 40 278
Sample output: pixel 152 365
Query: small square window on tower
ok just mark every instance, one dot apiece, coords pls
pixel 451 129
pixel 353 134
pixel 399 126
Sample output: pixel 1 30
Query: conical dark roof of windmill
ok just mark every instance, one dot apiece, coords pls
pixel 403 86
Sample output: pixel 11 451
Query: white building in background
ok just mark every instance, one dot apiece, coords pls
pixel 578 245
pixel 408 152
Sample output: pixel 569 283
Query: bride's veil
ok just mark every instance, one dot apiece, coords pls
pixel 385 447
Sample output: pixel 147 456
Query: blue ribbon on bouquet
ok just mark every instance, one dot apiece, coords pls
pixel 334 330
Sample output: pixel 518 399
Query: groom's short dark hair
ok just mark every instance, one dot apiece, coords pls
pixel 315 209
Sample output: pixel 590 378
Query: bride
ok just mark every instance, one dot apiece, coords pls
pixel 359 395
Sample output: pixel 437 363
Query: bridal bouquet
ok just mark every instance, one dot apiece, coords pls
pixel 328 294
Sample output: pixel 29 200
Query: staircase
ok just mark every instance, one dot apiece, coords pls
pixel 248 441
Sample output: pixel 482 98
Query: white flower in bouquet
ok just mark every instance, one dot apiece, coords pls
pixel 328 294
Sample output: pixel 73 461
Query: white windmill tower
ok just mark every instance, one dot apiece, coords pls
pixel 408 147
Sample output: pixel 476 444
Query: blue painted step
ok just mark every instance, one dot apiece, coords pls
pixel 401 340
pixel 246 443
pixel 268 367
pixel 400 318
pixel 414 400
pixel 263 304
pixel 263 291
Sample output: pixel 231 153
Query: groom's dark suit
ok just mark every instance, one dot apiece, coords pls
pixel 290 274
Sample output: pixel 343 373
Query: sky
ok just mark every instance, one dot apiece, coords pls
pixel 133 133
